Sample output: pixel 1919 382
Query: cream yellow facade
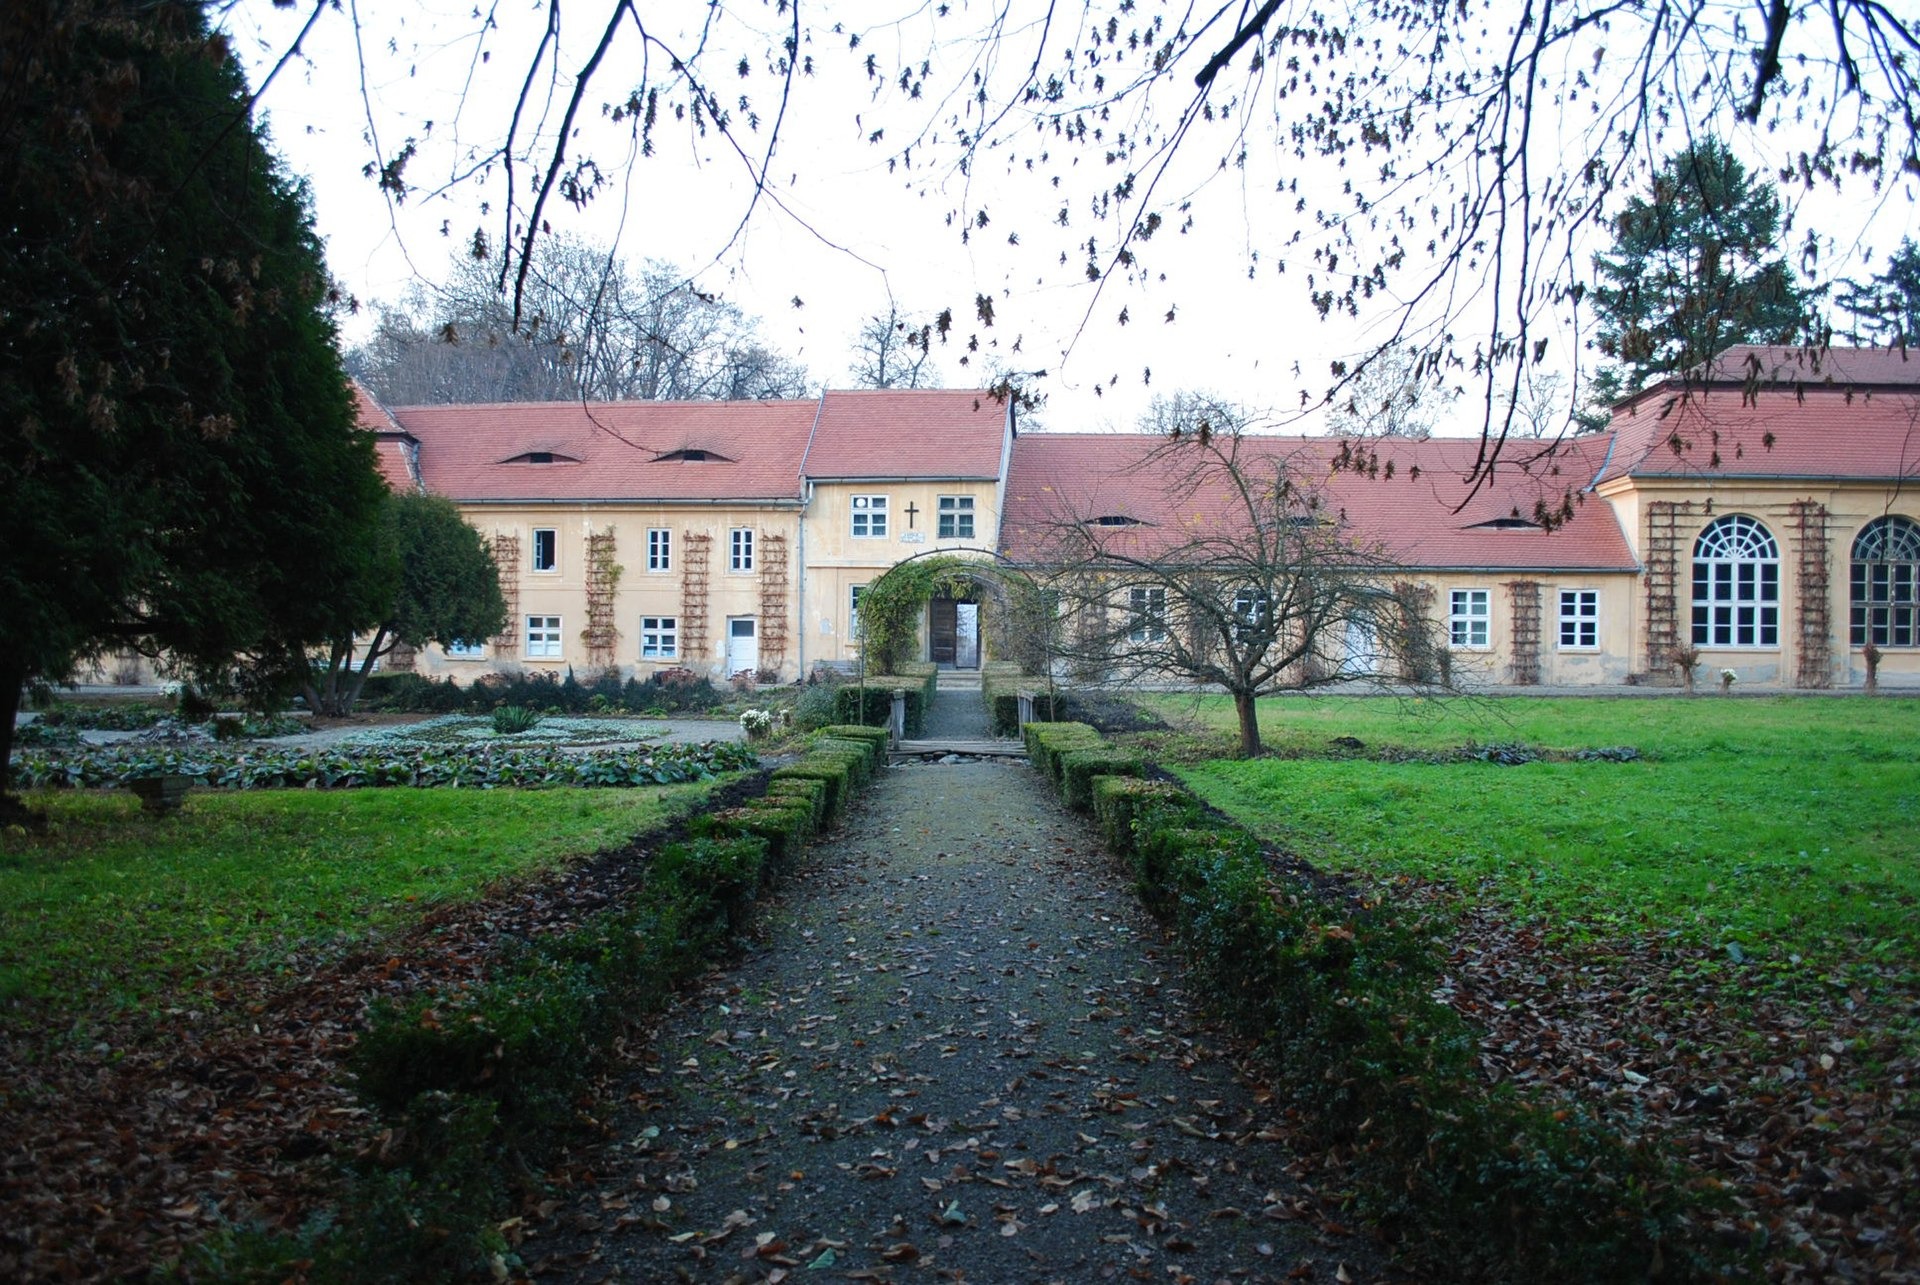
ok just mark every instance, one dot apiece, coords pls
pixel 845 552
pixel 1813 528
pixel 709 587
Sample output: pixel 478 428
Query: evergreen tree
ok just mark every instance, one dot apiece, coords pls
pixel 447 590
pixel 1695 267
pixel 1886 309
pixel 179 467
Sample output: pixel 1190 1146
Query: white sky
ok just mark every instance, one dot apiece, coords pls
pixel 847 233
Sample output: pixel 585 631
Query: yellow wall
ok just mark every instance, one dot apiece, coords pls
pixel 1850 506
pixel 837 560
pixel 639 592
pixel 1559 663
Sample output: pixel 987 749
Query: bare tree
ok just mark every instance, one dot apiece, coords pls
pixel 1228 570
pixel 592 329
pixel 1441 165
pixel 895 352
pixel 1395 391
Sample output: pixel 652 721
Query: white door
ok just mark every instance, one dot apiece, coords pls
pixel 743 645
pixel 1362 649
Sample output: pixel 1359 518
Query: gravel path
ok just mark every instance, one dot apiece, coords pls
pixel 957 1049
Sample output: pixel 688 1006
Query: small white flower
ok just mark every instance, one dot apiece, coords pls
pixel 1729 676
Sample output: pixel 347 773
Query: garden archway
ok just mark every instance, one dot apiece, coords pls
pixel 893 607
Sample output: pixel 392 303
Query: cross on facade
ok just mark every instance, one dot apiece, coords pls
pixel 913 511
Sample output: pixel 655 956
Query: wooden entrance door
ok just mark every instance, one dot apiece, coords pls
pixel 953 632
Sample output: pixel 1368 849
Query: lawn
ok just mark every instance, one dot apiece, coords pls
pixel 1771 828
pixel 112 910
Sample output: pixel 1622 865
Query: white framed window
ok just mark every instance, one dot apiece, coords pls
pixel 461 649
pixel 1147 608
pixel 659 549
pixel 659 637
pixel 853 610
pixel 1884 597
pixel 740 546
pixel 1579 618
pixel 543 636
pixel 1736 585
pixel 546 549
pixel 1469 618
pixel 1252 613
pixel 956 517
pixel 869 517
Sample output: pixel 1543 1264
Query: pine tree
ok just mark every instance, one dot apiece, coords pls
pixel 179 467
pixel 1695 267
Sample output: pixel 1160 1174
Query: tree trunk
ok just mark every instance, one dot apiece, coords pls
pixel 1243 705
pixel 356 679
pixel 12 674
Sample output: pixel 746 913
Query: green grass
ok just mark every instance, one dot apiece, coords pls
pixel 1782 826
pixel 112 910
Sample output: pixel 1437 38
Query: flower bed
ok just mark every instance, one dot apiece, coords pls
pixel 353 766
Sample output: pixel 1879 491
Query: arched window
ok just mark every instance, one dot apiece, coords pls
pixel 1885 593
pixel 1736 585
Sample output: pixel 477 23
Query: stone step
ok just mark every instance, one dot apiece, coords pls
pixel 983 749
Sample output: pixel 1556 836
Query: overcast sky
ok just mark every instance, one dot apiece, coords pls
pixel 848 231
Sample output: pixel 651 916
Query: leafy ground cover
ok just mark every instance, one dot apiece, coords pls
pixel 111 909
pixel 484 766
pixel 1717 942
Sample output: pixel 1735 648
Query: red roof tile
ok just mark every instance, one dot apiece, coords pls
pixel 922 433
pixel 1724 432
pixel 1407 510
pixel 1811 367
pixel 612 450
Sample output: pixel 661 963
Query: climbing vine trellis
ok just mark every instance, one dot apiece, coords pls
pixel 891 608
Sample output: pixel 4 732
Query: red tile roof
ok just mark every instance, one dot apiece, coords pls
pixel 612 450
pixel 923 433
pixel 1725 432
pixel 394 449
pixel 1407 510
pixel 1805 368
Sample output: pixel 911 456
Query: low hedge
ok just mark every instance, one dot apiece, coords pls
pixel 1047 741
pixel 1079 769
pixel 480 1083
pixel 880 738
pixel 1338 996
pixel 1117 799
pixel 835 775
pixel 523 1037
pixel 858 753
pixel 784 823
pixel 356 767
pixel 1001 683
pixel 808 790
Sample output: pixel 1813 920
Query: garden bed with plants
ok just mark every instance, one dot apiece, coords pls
pixel 486 765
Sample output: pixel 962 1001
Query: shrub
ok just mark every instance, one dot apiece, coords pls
pixel 836 776
pixel 872 705
pixel 809 790
pixel 816 706
pixel 1117 800
pixel 1078 768
pixel 511 720
pixel 1047 741
pixel 878 738
pixel 855 754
